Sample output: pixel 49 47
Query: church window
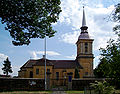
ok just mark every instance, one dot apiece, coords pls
pixel 37 71
pixel 48 70
pixel 90 47
pixel 81 48
pixel 57 75
pixel 86 73
pixel 31 74
pixel 86 47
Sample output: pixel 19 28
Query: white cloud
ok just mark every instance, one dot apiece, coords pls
pixel 98 27
pixel 2 57
pixel 96 61
pixel 34 55
pixel 50 53
pixel 15 70
pixel 70 37
pixel 71 57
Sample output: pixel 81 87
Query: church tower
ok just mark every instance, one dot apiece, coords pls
pixel 84 49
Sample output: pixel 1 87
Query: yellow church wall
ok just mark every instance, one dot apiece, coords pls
pixel 64 74
pixel 27 74
pixel 22 74
pixel 63 77
pixel 41 71
pixel 87 64
pixel 85 58
pixel 81 73
pixel 81 46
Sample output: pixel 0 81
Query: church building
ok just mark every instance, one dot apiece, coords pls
pixel 60 68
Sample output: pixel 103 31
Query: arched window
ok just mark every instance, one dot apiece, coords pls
pixel 86 47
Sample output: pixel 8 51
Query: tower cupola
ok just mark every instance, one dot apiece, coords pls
pixel 84 49
pixel 84 33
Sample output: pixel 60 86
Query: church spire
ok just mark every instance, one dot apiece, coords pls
pixel 84 33
pixel 83 20
pixel 84 27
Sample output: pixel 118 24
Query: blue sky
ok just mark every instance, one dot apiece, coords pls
pixel 63 46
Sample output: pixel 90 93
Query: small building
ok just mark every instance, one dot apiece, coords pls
pixel 60 68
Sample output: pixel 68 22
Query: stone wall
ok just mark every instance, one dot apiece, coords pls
pixel 81 84
pixel 10 84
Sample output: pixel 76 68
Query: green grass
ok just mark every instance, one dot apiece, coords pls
pixel 75 92
pixel 26 92
pixel 117 91
pixel 45 92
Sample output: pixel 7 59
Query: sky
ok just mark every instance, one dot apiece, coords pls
pixel 63 45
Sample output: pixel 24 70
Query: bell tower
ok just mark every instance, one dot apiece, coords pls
pixel 84 49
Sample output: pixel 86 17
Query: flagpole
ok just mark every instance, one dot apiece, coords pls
pixel 45 63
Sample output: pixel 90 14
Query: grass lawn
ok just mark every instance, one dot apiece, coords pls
pixel 26 92
pixel 75 92
pixel 46 92
pixel 40 92
pixel 117 91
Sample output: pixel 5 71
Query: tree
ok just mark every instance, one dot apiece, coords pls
pixel 110 64
pixel 76 73
pixel 26 19
pixel 102 88
pixel 116 18
pixel 7 67
pixel 102 70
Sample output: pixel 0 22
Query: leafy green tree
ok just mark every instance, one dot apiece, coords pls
pixel 102 70
pixel 7 67
pixel 26 19
pixel 77 73
pixel 112 55
pixel 102 88
pixel 116 18
pixel 110 62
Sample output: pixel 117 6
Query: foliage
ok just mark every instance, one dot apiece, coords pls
pixel 110 62
pixel 7 67
pixel 109 65
pixel 102 70
pixel 102 88
pixel 26 19
pixel 116 18
pixel 77 73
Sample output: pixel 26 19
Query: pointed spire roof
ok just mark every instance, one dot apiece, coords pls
pixel 84 33
pixel 83 20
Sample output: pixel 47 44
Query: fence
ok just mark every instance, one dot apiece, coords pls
pixel 10 84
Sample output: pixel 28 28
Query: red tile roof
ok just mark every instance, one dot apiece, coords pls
pixel 57 64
